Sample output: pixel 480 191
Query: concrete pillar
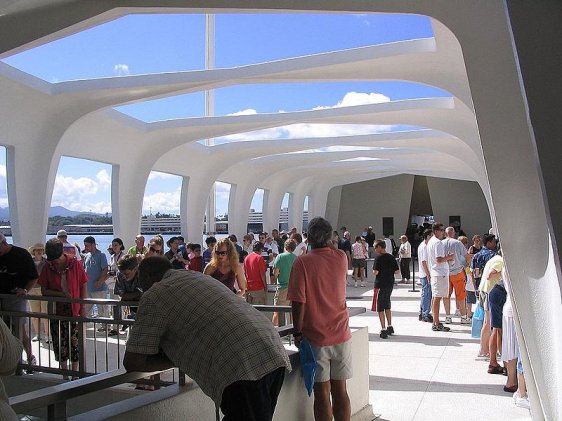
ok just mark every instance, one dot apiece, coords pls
pixel 30 181
pixel 272 209
pixel 199 187
pixel 241 200
pixel 127 194
pixel 183 205
pixel 296 203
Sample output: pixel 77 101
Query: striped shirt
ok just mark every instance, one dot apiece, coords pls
pixel 214 336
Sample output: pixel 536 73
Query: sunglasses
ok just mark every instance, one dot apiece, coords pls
pixel 222 253
pixel 152 249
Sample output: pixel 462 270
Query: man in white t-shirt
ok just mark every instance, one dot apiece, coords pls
pixel 425 299
pixel 439 273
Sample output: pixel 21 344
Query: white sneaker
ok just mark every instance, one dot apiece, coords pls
pixel 362 284
pixel 458 313
pixel 523 402
pixel 464 320
pixel 448 320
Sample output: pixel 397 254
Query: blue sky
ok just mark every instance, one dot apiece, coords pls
pixel 140 44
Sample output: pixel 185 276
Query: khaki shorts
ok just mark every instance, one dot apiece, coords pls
pixel 280 298
pixel 439 286
pixel 255 297
pixel 37 306
pixel 333 362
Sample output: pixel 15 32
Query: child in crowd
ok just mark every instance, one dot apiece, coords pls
pixel 384 269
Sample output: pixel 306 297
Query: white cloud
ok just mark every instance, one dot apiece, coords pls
pixel 70 186
pixel 121 69
pixel 164 202
pixel 249 111
pixel 104 179
pixel 306 130
pixel 80 193
pixel 361 98
pixel 351 99
pixel 154 175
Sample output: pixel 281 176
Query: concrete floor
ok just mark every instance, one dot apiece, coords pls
pixel 420 375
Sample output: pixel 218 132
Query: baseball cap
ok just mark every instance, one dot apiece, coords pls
pixel 62 233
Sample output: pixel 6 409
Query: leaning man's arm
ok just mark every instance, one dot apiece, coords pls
pixel 144 352
pixel 133 361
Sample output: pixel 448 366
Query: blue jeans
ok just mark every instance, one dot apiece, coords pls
pixel 425 302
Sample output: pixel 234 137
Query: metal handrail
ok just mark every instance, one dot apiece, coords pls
pixel 54 398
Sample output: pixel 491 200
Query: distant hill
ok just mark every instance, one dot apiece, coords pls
pixel 60 211
pixel 54 211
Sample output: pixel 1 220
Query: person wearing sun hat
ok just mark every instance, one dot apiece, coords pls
pixel 69 249
pixel 64 276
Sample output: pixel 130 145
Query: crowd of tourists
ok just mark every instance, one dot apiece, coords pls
pixel 475 274
pixel 302 266
pixel 448 266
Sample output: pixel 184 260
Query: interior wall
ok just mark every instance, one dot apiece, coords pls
pixel 462 198
pixel 332 207
pixel 365 204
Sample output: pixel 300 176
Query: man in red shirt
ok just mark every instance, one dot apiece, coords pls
pixel 317 288
pixel 255 268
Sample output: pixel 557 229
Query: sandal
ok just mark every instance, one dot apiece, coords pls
pixel 495 369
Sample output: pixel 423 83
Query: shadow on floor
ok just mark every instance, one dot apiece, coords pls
pixel 430 341
pixel 408 385
pixel 369 313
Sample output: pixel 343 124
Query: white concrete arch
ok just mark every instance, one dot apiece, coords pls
pixel 499 127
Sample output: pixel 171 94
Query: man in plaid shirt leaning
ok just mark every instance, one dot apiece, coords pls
pixel 189 320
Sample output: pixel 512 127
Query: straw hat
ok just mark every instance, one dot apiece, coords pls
pixel 36 246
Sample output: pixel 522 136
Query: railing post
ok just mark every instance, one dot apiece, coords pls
pixel 57 411
pixel 82 346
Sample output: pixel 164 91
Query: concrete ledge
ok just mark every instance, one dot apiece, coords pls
pixel 189 402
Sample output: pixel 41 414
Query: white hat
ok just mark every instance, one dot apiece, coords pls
pixel 62 233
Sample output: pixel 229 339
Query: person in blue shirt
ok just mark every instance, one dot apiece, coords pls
pixel 95 264
pixel 481 258
pixel 208 253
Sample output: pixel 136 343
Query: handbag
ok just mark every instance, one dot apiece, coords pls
pixel 477 321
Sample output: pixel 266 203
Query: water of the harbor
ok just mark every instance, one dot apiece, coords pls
pixel 104 241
